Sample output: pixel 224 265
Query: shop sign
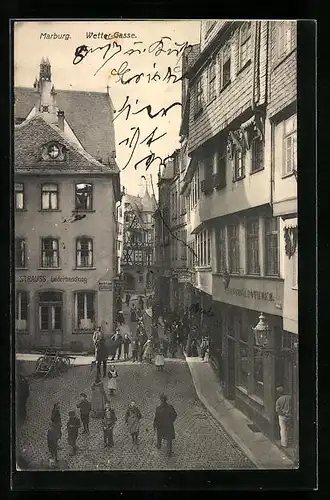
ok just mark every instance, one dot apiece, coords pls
pixel 40 278
pixel 251 294
pixel 105 285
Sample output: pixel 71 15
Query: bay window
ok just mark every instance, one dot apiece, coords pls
pixel 252 246
pixel 271 246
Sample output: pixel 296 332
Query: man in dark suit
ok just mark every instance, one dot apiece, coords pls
pixel 164 424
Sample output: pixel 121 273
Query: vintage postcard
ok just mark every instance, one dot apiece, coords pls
pixel 156 245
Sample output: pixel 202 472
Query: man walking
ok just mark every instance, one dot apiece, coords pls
pixel 164 423
pixel 73 427
pixel 284 411
pixel 126 342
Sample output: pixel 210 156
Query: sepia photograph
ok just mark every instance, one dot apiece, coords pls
pixel 155 243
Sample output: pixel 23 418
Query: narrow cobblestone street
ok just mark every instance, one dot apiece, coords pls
pixel 200 442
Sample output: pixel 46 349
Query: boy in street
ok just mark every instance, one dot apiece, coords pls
pixel 85 409
pixel 73 427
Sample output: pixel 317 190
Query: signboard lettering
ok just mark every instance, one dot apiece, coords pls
pixel 253 294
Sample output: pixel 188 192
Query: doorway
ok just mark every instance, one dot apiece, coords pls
pixel 51 319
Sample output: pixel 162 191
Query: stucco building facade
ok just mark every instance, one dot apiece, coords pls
pixel 66 190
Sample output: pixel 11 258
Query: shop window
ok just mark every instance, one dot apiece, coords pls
pixel 244 44
pixel 258 372
pixel 49 253
pixel 84 197
pixel 233 243
pixel 21 311
pixel 271 247
pixel 243 365
pixel 84 252
pixel 252 246
pixel 257 154
pixel 20 253
pixel 221 250
pixel 49 197
pixel 19 196
pixel 84 310
pixel 290 146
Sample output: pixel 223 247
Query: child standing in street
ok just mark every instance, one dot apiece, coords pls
pixel 109 421
pixel 126 343
pixel 73 427
pixel 159 360
pixel 112 380
pixel 85 409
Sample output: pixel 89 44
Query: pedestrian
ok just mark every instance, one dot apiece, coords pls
pixel 154 332
pixel 101 356
pixel 117 340
pixel 133 313
pixel 126 343
pixel 140 349
pixel 112 380
pixel 141 303
pixel 108 423
pixel 194 350
pixel 23 392
pixel 99 398
pixel 135 349
pixel 52 442
pixel 73 428
pixel 164 423
pixel 148 351
pixel 203 347
pixel 56 418
pixel 132 419
pixel 85 409
pixel 128 298
pixel 159 360
pixel 173 344
pixel 97 335
pixel 165 344
pixel 283 408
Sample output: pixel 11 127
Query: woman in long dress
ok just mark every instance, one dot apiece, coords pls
pixel 99 398
pixel 112 380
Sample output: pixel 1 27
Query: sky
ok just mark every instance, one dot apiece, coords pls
pixel 31 44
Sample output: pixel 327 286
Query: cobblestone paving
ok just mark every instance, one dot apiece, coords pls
pixel 200 442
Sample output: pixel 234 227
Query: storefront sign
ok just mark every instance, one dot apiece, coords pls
pixel 257 294
pixel 51 279
pixel 105 285
pixel 253 294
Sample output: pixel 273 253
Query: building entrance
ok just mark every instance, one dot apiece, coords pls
pixel 51 319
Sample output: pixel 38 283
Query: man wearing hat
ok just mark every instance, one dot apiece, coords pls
pixel 164 423
pixel 85 409
pixel 109 421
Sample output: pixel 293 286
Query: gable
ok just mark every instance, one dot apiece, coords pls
pixel 32 142
pixel 89 114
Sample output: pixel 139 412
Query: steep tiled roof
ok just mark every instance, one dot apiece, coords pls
pixel 32 134
pixel 89 114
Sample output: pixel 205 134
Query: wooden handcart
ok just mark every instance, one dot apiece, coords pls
pixel 53 362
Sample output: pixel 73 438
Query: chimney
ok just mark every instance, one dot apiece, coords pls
pixel 60 122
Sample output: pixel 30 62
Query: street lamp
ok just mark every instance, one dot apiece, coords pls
pixel 261 332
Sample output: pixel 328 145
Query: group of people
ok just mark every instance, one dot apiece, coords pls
pixel 163 424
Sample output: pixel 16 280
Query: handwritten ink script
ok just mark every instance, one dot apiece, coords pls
pixel 112 49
